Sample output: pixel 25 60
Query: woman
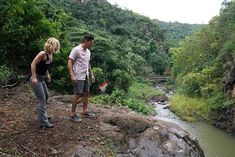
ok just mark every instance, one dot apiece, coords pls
pixel 39 70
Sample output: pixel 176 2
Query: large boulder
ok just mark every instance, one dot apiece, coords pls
pixel 134 135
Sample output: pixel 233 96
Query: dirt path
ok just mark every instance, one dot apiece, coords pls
pixel 20 134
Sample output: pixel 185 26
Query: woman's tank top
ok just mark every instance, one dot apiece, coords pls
pixel 42 66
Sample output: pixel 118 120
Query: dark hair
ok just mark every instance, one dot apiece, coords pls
pixel 87 38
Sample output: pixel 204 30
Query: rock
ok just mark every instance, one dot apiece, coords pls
pixel 63 98
pixel 141 136
pixel 128 124
pixel 166 107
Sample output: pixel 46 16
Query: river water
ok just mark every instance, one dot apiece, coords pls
pixel 214 142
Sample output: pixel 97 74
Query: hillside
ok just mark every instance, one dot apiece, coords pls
pixel 115 131
pixel 176 31
pixel 127 45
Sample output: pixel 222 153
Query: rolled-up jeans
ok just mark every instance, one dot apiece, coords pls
pixel 41 91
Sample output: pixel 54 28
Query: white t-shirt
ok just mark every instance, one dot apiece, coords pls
pixel 81 60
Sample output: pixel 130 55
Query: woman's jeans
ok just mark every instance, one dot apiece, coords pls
pixel 41 92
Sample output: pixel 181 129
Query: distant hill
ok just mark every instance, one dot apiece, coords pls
pixel 101 15
pixel 178 31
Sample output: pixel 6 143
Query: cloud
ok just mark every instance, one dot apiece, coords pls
pixel 185 11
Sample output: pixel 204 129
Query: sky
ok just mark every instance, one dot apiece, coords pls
pixel 183 11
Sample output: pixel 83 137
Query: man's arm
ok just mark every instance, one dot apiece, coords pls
pixel 92 74
pixel 70 68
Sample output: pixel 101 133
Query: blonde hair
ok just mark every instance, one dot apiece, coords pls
pixel 52 45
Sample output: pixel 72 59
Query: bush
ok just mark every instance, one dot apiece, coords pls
pixel 191 84
pixel 120 80
pixel 219 99
pixel 118 98
pixel 143 91
pixel 99 79
pixel 6 75
pixel 138 106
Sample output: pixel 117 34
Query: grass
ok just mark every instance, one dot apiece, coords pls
pixel 143 91
pixel 136 98
pixel 190 109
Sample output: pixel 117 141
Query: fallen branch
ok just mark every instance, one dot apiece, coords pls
pixel 10 86
pixel 28 150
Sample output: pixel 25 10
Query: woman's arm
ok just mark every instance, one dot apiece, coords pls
pixel 48 77
pixel 37 59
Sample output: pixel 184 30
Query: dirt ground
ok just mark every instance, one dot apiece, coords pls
pixel 21 136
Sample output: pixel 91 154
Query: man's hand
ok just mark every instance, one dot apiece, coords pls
pixel 72 77
pixel 92 79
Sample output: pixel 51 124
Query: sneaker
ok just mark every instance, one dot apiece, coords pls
pixel 47 126
pixel 75 118
pixel 49 118
pixel 88 114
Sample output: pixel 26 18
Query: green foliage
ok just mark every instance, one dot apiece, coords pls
pixel 199 67
pixel 143 91
pixel 138 93
pixel 122 48
pixel 99 79
pixel 191 83
pixel 121 80
pixel 158 62
pixel 197 108
pixel 190 109
pixel 126 26
pixel 178 31
pixel 115 98
pixel 5 74
pixel 137 105
pixel 118 98
pixel 23 29
pixel 139 65
pixel 219 99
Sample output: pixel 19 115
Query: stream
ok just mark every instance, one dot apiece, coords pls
pixel 214 142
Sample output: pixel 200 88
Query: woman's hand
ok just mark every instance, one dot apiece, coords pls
pixel 49 79
pixel 34 80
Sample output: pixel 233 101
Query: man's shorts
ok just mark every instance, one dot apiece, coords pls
pixel 81 86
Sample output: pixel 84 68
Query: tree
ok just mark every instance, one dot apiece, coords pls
pixel 24 30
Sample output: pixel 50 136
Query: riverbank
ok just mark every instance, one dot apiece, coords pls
pixel 225 119
pixel 196 109
pixel 116 131
pixel 213 140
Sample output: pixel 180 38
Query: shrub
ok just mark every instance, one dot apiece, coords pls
pixel 6 75
pixel 118 98
pixel 120 79
pixel 100 78
pixel 191 83
pixel 143 91
pixel 138 106
pixel 219 99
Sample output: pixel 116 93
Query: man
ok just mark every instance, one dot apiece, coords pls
pixel 80 70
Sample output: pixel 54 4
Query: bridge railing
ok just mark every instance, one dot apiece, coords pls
pixel 159 78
